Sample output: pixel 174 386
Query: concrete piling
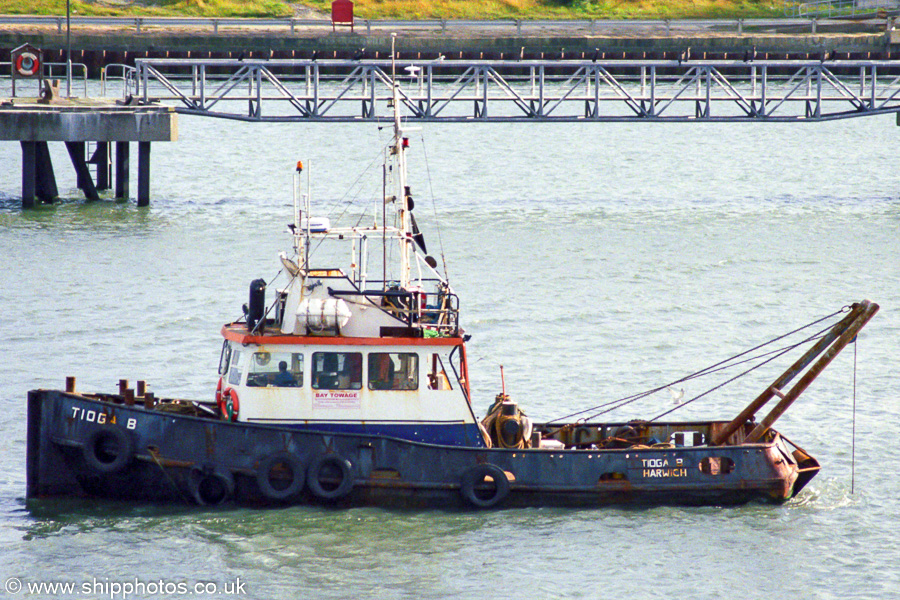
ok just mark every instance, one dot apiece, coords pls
pixel 46 181
pixel 85 182
pixel 143 198
pixel 29 172
pixel 122 170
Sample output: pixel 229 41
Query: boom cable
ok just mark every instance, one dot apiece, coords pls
pixel 719 366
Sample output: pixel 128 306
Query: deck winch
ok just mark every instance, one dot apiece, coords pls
pixel 507 425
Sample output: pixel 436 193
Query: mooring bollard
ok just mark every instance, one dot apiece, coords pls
pixel 141 388
pixel 129 397
pixel 70 385
pixel 123 385
pixel 149 400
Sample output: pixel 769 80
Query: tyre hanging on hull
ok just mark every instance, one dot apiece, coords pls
pixel 211 487
pixel 330 477
pixel 108 449
pixel 484 486
pixel 280 476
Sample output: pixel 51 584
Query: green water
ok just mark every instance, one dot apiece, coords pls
pixel 592 262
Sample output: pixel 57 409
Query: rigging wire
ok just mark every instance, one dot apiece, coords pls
pixel 353 199
pixel 437 224
pixel 351 187
pixel 616 404
pixel 853 435
pixel 772 356
pixel 739 375
pixel 721 365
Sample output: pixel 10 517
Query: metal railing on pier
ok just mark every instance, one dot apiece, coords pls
pixel 57 70
pixel 837 9
pixel 800 21
pixel 523 91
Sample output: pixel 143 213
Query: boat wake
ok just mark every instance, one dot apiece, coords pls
pixel 830 494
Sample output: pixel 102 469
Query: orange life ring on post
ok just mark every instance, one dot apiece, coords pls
pixel 27 64
pixel 230 406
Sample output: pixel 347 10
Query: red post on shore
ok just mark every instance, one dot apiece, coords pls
pixel 341 13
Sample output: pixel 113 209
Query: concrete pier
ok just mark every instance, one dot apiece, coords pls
pixel 77 122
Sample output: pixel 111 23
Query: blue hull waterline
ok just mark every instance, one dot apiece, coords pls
pixel 83 445
pixel 439 434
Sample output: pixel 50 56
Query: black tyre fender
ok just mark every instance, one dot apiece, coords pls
pixel 626 432
pixel 108 449
pixel 211 487
pixel 474 476
pixel 294 485
pixel 333 462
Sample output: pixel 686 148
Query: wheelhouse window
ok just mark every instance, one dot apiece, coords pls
pixel 437 376
pixel 275 369
pixel 337 370
pixel 393 371
pixel 224 357
pixel 235 372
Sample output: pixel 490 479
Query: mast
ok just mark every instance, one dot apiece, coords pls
pixel 297 184
pixel 399 152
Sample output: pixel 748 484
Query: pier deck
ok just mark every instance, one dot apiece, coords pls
pixel 76 122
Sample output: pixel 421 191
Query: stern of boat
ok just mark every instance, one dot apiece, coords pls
pixel 807 468
pixel 46 471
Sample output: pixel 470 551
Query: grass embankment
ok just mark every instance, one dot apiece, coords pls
pixel 410 9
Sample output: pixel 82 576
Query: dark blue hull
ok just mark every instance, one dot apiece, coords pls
pixel 80 445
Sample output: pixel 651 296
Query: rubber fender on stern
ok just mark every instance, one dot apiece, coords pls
pixel 108 449
pixel 476 476
pixel 280 488
pixel 330 464
pixel 211 488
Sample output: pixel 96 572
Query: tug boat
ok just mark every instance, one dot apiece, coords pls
pixel 345 390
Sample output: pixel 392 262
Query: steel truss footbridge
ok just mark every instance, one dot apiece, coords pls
pixel 682 90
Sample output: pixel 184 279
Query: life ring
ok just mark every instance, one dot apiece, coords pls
pixel 280 488
pixel 211 488
pixel 230 406
pixel 475 477
pixel 330 466
pixel 27 64
pixel 108 449
pixel 219 388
